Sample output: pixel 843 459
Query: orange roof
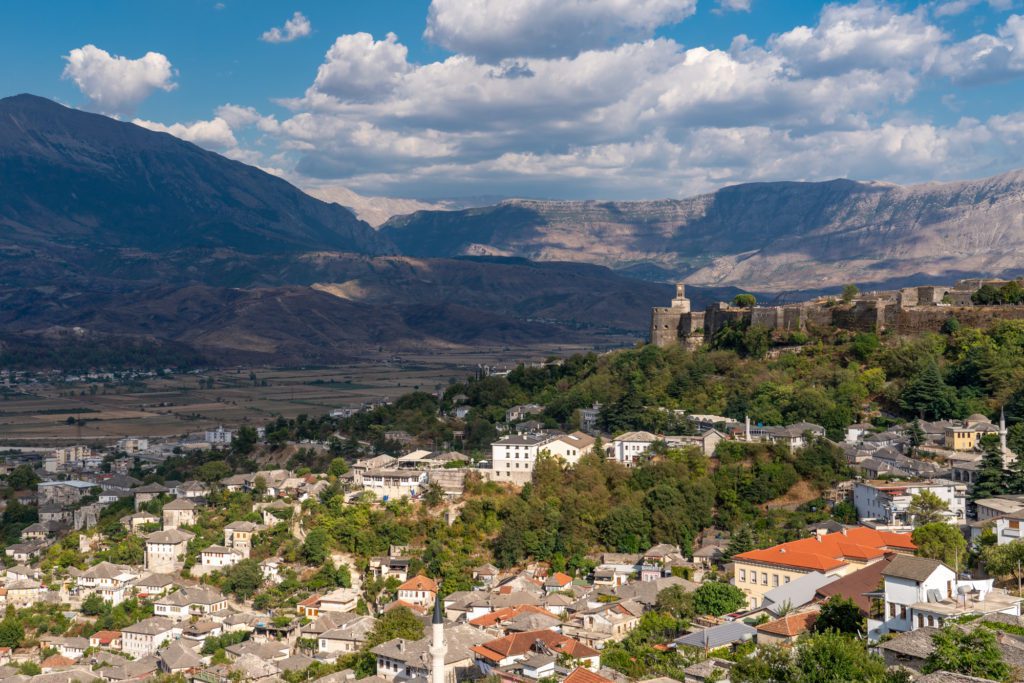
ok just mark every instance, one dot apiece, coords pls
pixel 790 625
pixel 106 636
pixel 506 613
pixel 581 675
pixel 419 583
pixel 311 601
pixel 56 662
pixel 520 643
pixel 831 551
pixel 561 579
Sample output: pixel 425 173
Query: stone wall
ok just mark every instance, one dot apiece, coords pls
pixel 931 319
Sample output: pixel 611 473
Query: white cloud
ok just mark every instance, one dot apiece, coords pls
pixel 114 84
pixel 734 5
pixel 950 8
pixel 494 29
pixel 296 27
pixel 214 134
pixel 357 67
pixel 241 117
pixel 867 34
pixel 985 58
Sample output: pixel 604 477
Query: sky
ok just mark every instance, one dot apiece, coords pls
pixel 572 99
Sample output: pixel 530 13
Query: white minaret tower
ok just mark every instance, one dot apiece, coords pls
pixel 438 648
pixel 746 433
pixel 1002 429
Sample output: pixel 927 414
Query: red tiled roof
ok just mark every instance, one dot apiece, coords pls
pixel 581 675
pixel 311 601
pixel 561 579
pixel 506 613
pixel 106 636
pixel 831 551
pixel 854 586
pixel 419 583
pixel 520 643
pixel 790 625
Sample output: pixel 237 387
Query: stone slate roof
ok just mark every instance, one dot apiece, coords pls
pixel 912 568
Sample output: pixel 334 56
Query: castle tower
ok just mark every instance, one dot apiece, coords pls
pixel 438 648
pixel 665 320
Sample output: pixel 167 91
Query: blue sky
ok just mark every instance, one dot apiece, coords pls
pixel 546 98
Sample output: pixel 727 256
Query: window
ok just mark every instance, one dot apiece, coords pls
pixel 903 611
pixel 920 620
pixel 743 575
pixel 1015 524
pixel 785 579
pixel 764 578
pixel 931 620
pixel 892 609
pixel 775 579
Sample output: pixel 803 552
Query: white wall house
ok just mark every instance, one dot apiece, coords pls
pixel 394 483
pixel 887 503
pixel 145 637
pixel 513 457
pixel 629 448
pixel 919 592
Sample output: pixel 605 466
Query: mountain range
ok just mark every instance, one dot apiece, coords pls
pixel 767 237
pixel 108 230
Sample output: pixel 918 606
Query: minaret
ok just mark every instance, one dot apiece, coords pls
pixel 438 649
pixel 1002 429
pixel 746 424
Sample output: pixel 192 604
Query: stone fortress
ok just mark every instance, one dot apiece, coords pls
pixel 904 311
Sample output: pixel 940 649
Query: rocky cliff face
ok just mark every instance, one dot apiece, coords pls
pixel 761 236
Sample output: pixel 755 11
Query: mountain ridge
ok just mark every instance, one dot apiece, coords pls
pixel 768 236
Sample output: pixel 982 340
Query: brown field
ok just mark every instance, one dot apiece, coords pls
pixel 176 406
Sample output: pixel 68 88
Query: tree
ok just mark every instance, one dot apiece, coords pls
pixel 744 300
pixel 676 601
pixel 245 440
pixel 316 546
pixel 850 293
pixel 927 395
pixel 1014 476
pixel 94 605
pixel 22 477
pixel 841 615
pixel 742 541
pixel 717 598
pixel 1005 560
pixel 399 622
pixel 626 529
pixel 844 512
pixel 926 507
pixel 434 495
pixel 951 326
pixel 11 632
pixel 991 479
pixel 943 542
pixel 212 471
pixel 243 579
pixel 828 657
pixel 972 653
pixel 338 467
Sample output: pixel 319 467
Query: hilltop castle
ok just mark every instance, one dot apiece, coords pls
pixel 905 311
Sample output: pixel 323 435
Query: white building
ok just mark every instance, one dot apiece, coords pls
pixel 571 447
pixel 513 457
pixel 145 637
pixel 218 557
pixel 886 503
pixel 165 550
pixel 919 592
pixel 219 437
pixel 394 483
pixel 629 448
pixel 132 445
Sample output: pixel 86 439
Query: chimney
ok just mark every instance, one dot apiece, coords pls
pixel 819 532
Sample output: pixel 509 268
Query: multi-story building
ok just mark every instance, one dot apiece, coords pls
pixel 571 447
pixel 219 436
pixel 758 571
pixel 62 492
pixel 146 637
pixel 513 457
pixel 179 512
pixel 631 447
pixel 419 590
pixel 188 602
pixel 887 504
pixel 238 536
pixel 966 435
pixel 109 581
pixel 165 550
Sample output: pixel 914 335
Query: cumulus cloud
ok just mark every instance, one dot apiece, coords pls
pixel 985 58
pixel 357 67
pixel 215 134
pixel 494 29
pixel 866 35
pixel 296 27
pixel 642 116
pixel 115 84
pixel 951 8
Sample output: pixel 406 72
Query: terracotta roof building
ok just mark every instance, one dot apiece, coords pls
pixel 758 571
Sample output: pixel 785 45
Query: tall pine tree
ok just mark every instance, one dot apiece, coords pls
pixel 991 474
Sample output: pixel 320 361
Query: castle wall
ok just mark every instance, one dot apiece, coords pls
pixel 665 326
pixel 931 319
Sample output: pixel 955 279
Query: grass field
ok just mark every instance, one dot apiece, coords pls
pixel 177 405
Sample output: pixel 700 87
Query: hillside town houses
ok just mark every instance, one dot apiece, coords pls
pixel 520 624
